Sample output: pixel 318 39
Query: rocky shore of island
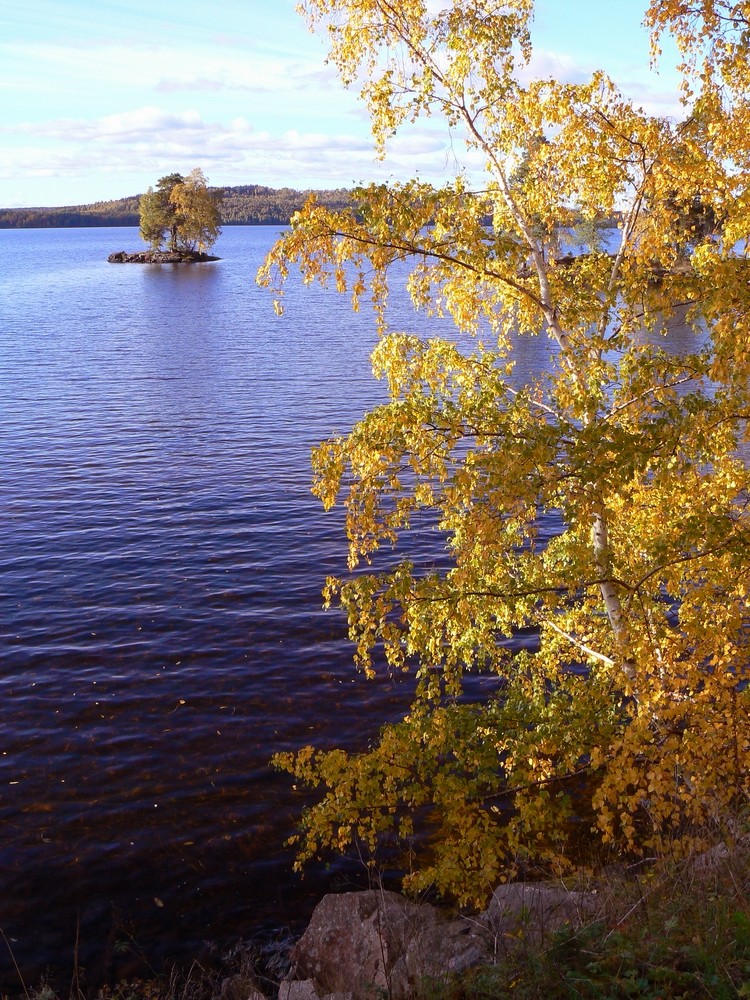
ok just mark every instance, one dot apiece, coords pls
pixel 160 257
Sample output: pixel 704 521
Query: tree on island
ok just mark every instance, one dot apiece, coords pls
pixel 622 724
pixel 183 211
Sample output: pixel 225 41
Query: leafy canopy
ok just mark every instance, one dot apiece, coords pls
pixel 183 210
pixel 628 723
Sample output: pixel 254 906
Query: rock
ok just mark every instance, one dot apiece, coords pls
pixel 362 944
pixel 710 861
pixel 160 257
pixel 240 987
pixel 528 911
pixel 305 990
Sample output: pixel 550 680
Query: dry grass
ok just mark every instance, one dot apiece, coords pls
pixel 668 930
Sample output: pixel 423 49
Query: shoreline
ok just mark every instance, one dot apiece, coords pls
pixel 161 257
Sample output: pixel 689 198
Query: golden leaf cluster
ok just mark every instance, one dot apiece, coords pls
pixel 624 721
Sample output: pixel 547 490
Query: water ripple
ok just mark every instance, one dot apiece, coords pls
pixel 160 574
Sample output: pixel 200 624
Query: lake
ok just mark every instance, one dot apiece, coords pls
pixel 160 573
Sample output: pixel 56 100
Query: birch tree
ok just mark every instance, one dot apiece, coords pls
pixel 198 208
pixel 625 727
pixel 183 211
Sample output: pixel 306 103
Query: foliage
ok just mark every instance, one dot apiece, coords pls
pixel 199 211
pixel 629 722
pixel 158 214
pixel 182 209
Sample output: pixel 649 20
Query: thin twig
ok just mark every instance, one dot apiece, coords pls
pixel 15 963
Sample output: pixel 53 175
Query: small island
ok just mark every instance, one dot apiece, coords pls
pixel 185 211
pixel 160 257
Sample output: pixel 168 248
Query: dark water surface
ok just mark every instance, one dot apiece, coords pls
pixel 161 563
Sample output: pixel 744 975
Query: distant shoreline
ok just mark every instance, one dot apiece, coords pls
pixel 246 205
pixel 121 225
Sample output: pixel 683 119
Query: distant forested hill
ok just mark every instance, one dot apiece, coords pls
pixel 123 212
pixel 246 205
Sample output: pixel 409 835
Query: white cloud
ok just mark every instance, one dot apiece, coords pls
pixel 159 68
pixel 131 124
pixel 545 64
pixel 251 108
pixel 146 142
pixel 254 76
pixel 656 94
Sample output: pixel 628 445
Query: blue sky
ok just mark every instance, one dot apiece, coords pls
pixel 99 98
